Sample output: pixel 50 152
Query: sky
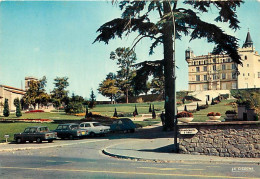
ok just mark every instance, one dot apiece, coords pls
pixel 55 39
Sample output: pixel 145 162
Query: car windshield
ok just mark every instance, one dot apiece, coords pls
pixel 27 130
pixel 96 124
pixel 74 127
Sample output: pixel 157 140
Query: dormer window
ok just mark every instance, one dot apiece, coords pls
pixel 245 57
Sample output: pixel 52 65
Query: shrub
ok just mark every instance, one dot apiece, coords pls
pixel 231 112
pixel 6 111
pixel 184 114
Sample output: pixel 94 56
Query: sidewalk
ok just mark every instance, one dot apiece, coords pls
pixel 160 150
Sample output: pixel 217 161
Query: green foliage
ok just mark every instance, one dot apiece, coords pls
pixel 74 104
pixel 125 60
pixel 92 100
pixel 109 88
pixel 36 94
pixel 18 109
pixel 60 94
pixel 6 111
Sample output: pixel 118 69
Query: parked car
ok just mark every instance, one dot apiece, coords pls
pixel 38 134
pixel 70 131
pixel 94 128
pixel 123 124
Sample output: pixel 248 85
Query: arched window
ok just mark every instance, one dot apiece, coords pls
pixel 245 57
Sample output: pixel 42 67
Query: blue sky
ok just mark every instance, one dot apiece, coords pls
pixel 54 39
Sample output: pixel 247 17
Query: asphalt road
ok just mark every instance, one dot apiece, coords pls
pixel 84 159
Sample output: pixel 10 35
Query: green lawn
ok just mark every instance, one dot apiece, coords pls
pixel 142 108
pixel 12 128
pixel 222 107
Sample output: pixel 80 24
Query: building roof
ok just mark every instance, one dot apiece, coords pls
pixel 248 42
pixel 12 88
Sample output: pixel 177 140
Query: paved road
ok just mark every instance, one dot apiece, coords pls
pixel 84 159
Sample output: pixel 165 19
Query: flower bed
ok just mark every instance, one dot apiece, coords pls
pixel 34 111
pixel 27 120
pixel 214 114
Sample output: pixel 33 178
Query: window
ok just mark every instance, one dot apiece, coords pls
pixel 248 74
pixel 243 74
pixel 223 67
pixel 214 77
pixel 205 78
pixel 234 75
pixel 245 57
pixel 194 63
pixel 234 86
pixel 233 66
pixel 258 74
pixel 197 77
pixel 229 59
pixel 197 69
pixel 214 60
pixel 214 68
pixel 223 75
pixel 247 65
pixel 205 68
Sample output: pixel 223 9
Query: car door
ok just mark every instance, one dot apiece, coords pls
pixel 65 131
pixel 59 131
pixel 25 134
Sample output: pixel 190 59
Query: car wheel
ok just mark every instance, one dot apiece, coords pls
pixel 50 141
pixel 71 137
pixel 39 140
pixel 92 134
pixel 19 141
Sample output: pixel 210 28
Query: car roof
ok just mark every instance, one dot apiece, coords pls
pixel 88 122
pixel 68 124
pixel 35 126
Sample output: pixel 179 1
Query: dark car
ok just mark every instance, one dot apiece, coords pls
pixel 38 134
pixel 70 131
pixel 123 124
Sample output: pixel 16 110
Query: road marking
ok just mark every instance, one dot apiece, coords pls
pixel 127 173
pixel 51 146
pixel 154 168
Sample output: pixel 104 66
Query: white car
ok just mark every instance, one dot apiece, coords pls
pixel 94 128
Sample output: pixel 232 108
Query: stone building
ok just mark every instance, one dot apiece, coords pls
pixel 219 72
pixel 10 93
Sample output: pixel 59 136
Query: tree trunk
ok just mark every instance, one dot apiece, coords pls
pixel 168 71
pixel 111 99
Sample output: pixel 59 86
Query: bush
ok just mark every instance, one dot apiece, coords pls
pixel 34 111
pixel 214 114
pixel 231 112
pixel 6 111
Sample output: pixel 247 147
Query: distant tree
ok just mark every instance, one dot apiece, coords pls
pixel 198 107
pixel 74 104
pixel 153 113
pixel 18 109
pixel 59 93
pixel 86 115
pixel 185 108
pixel 212 102
pixel 125 60
pixel 115 113
pixel 108 87
pixel 36 95
pixel 150 108
pixel 16 101
pixel 6 111
pixel 157 85
pixel 136 112
pixel 92 100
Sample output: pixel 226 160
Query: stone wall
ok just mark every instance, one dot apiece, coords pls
pixel 224 139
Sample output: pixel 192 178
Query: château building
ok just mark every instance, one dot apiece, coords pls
pixel 219 72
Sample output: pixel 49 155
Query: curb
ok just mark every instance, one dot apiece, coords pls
pixel 105 152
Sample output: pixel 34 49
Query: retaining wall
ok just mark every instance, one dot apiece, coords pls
pixel 224 139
